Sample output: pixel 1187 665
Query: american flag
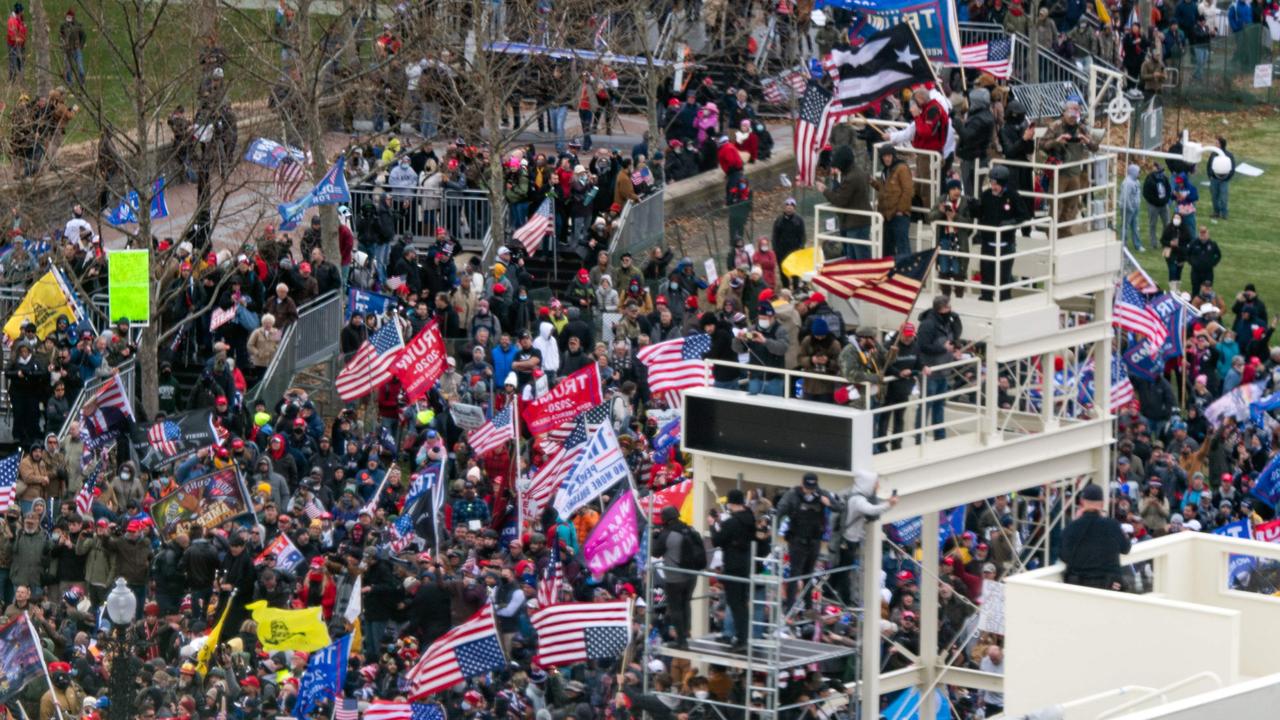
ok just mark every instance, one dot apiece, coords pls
pixel 1133 313
pixel 813 126
pixel 387 710
pixel 289 175
pixel 538 226
pixel 468 650
pixel 576 632
pixel 550 579
pixel 111 408
pixel 991 56
pixel 220 317
pixel 346 709
pixel 84 498
pixel 164 436
pixel 402 534
pixel 676 365
pixel 594 418
pixel 371 365
pixel 891 284
pixel 491 435
pixel 8 479
pixel 542 487
pixel 1122 392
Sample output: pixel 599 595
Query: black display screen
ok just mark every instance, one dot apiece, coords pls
pixel 743 429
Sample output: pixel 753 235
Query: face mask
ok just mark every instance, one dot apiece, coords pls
pixel 765 323
pixel 674 286
pixel 524 298
pixel 126 476
pixel 700 694
pixel 1177 220
pixel 808 497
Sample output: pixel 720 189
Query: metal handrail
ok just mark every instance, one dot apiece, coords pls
pixel 868 391
pixel 270 377
pixel 90 389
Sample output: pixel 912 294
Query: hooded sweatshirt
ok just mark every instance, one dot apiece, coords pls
pixel 976 133
pixel 546 344
pixel 862 505
pixel 1131 191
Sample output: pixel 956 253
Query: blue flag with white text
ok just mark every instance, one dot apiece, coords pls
pixel 1267 487
pixel 331 190
pixel 324 677
pixel 126 213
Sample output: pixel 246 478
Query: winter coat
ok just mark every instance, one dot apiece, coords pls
pixel 30 556
pixel 978 128
pixel 99 566
pixel 828 346
pixel 262 346
pixel 894 189
pixel 859 506
pixel 133 559
pixel 1131 191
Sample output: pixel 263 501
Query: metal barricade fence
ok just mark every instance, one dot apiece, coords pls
pixel 319 323
pixel 279 374
pixel 641 228
pixel 465 214
pixel 1222 77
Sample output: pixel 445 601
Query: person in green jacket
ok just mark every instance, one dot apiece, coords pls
pixel 99 565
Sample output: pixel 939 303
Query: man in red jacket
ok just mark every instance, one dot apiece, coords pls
pixel 730 160
pixel 17 39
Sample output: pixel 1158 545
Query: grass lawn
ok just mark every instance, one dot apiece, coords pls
pixel 1250 239
pixel 173 54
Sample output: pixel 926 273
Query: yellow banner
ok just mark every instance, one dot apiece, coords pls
pixel 43 304
pixel 289 629
pixel 206 652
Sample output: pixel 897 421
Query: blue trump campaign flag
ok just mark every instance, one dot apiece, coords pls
pixel 1237 564
pixel 1174 314
pixel 126 213
pixel 323 679
pixel 331 190
pixel 907 706
pixel 1267 487
pixel 906 532
pixel 1264 405
pixel 935 22
pixel 367 302
pixel 667 437
pixel 1141 359
pixel 269 153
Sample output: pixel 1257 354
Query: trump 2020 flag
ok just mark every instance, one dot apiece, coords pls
pixel 287 555
pixel 1267 488
pixel 20 661
pixel 468 650
pixel 323 679
pixel 331 190
pixel 126 213
pixel 598 468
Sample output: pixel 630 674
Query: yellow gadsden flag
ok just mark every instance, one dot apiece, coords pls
pixel 289 629
pixel 211 643
pixel 43 304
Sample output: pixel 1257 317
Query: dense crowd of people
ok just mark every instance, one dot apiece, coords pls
pixel 334 478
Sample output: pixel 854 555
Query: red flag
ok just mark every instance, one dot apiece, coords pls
pixel 573 395
pixel 422 362
pixel 671 496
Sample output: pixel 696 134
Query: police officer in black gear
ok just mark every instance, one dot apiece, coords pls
pixel 734 532
pixel 804 508
pixel 1000 205
pixel 1092 544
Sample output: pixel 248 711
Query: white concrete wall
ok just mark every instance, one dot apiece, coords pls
pixel 1065 642
pixel 1253 700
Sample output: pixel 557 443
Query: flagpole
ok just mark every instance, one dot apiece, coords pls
pixel 925 55
pixel 35 638
pixel 515 475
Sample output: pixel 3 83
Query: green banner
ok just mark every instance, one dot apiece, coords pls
pixel 129 285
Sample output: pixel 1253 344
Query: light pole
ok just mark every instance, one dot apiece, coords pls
pixel 122 608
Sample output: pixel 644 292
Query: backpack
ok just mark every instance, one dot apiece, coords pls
pixel 694 556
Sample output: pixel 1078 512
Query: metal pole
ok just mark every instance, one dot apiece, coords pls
pixel 872 560
pixel 929 533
